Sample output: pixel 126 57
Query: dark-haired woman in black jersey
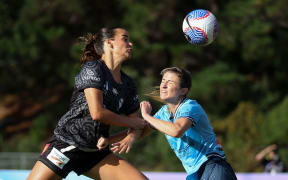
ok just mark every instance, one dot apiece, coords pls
pixel 103 95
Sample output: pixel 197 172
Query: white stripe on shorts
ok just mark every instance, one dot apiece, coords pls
pixel 69 148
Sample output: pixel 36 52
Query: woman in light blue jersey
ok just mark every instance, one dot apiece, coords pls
pixel 187 128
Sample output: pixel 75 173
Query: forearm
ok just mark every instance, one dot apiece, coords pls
pixel 94 99
pixel 108 117
pixel 136 134
pixel 168 128
pixel 265 151
pixel 146 131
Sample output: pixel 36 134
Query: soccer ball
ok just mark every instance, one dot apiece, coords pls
pixel 200 27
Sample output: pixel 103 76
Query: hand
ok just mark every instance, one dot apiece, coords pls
pixel 146 108
pixel 272 147
pixel 124 145
pixel 102 143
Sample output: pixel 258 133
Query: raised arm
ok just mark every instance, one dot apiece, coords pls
pixel 175 129
pixel 123 142
pixel 265 151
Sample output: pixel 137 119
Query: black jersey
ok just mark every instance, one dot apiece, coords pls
pixel 76 127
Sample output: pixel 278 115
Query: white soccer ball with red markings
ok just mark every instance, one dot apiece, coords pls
pixel 200 27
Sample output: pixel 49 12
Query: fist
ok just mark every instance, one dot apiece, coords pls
pixel 102 143
pixel 146 107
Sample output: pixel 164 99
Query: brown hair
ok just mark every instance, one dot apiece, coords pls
pixel 94 44
pixel 184 76
pixel 185 81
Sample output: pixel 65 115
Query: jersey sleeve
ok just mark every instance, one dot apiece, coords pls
pixel 162 114
pixel 91 75
pixel 191 112
pixel 157 114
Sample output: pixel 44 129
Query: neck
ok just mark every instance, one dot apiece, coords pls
pixel 172 107
pixel 113 65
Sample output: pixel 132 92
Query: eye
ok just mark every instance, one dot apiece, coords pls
pixel 163 81
pixel 125 39
pixel 171 83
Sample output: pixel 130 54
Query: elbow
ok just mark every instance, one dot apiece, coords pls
pixel 177 131
pixel 258 158
pixel 176 134
pixel 97 116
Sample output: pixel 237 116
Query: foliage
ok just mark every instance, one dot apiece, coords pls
pixel 242 131
pixel 240 79
pixel 275 128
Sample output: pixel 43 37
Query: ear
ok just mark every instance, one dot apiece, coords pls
pixel 109 43
pixel 184 91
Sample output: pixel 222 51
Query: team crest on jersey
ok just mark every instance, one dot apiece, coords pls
pixel 58 158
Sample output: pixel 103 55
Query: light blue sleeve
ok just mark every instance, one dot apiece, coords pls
pixel 157 114
pixel 193 112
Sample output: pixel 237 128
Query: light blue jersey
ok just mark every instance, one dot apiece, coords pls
pixel 198 142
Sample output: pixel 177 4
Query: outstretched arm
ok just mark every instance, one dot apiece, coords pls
pixel 104 142
pixel 265 151
pixel 99 113
pixel 123 141
pixel 175 129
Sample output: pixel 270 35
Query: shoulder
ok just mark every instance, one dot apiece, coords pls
pixel 190 107
pixel 92 68
pixel 162 110
pixel 190 104
pixel 91 75
pixel 92 65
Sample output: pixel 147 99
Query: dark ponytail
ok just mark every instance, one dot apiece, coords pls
pixel 93 49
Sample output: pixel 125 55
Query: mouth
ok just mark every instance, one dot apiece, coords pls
pixel 129 50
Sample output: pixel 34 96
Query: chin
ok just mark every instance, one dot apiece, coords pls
pixel 129 56
pixel 163 98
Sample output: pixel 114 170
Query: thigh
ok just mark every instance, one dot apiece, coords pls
pixel 218 169
pixel 41 171
pixel 113 167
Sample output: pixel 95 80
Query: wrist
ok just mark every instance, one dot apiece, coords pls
pixel 145 116
pixel 134 134
pixel 108 140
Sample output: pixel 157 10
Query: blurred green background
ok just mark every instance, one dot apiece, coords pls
pixel 240 79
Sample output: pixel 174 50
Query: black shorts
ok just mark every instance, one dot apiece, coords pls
pixel 63 158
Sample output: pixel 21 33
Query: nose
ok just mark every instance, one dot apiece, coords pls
pixel 163 85
pixel 130 44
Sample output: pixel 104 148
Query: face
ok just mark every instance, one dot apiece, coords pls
pixel 170 90
pixel 122 47
pixel 271 155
